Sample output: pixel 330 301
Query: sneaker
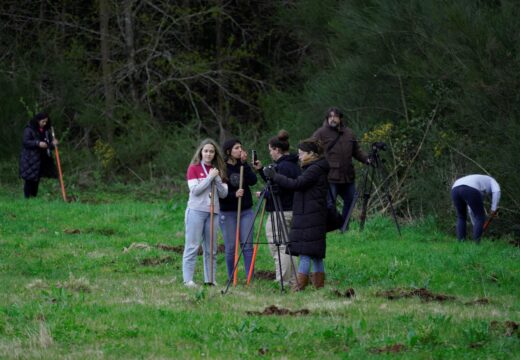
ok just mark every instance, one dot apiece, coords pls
pixel 190 284
pixel 211 284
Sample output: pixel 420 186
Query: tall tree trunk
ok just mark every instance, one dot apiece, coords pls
pixel 104 15
pixel 221 106
pixel 130 47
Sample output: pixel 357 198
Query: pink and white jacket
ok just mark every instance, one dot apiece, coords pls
pixel 200 188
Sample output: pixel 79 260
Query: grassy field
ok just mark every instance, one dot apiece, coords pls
pixel 101 278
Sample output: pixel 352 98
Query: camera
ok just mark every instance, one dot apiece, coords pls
pixel 379 145
pixel 269 171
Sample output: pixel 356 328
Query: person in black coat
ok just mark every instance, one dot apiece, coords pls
pixel 236 157
pixel 36 157
pixel 309 227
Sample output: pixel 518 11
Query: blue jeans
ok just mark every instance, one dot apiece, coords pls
pixel 304 266
pixel 228 225
pixel 346 192
pixel 463 197
pixel 197 225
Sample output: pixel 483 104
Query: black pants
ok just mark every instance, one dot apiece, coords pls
pixel 30 188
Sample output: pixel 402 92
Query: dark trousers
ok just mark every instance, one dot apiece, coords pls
pixel 30 188
pixel 346 192
pixel 464 196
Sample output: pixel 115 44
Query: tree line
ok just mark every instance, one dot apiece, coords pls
pixel 133 85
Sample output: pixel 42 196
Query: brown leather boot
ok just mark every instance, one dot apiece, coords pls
pixel 318 279
pixel 303 281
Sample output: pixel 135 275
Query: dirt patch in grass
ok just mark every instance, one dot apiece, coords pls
pixel 481 301
pixel 72 231
pixel 509 328
pixel 395 348
pixel 179 249
pixel 422 293
pixel 274 310
pixel 102 231
pixel 156 261
pixel 349 293
pixel 265 275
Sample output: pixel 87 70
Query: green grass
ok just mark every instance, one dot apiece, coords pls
pixel 69 290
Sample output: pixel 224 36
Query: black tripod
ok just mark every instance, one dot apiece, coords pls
pixel 375 169
pixel 279 229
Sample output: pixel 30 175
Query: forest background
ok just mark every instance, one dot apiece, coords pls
pixel 133 86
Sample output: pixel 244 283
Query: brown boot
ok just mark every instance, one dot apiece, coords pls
pixel 303 281
pixel 318 279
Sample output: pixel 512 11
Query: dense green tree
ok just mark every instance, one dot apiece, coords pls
pixel 437 80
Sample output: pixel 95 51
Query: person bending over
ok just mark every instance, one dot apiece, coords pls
pixel 467 194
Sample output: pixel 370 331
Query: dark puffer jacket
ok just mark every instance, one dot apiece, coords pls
pixel 36 162
pixel 309 226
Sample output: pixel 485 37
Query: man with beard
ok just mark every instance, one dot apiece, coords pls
pixel 340 145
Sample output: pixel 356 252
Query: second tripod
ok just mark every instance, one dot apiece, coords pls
pixel 376 169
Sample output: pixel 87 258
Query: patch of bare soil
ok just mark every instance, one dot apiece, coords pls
pixel 274 310
pixel 156 261
pixel 71 198
pixel 179 249
pixel 72 231
pixel 349 293
pixel 481 301
pixel 263 351
pixel 508 327
pixel 104 231
pixel 395 348
pixel 265 275
pixel 422 293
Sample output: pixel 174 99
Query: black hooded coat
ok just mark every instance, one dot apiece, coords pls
pixel 309 225
pixel 36 162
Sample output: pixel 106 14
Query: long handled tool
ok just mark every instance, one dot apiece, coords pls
pixel 251 268
pixel 211 231
pixel 488 221
pixel 237 236
pixel 58 163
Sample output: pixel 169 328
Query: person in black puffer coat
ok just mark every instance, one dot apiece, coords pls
pixel 36 157
pixel 309 227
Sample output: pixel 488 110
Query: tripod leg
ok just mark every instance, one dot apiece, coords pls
pixel 256 245
pixel 282 288
pixel 367 189
pixel 349 213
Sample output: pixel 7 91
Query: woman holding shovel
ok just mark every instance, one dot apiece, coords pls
pixel 236 215
pixel 36 157
pixel 207 171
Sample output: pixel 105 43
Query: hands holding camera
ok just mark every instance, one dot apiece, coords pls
pixel 270 171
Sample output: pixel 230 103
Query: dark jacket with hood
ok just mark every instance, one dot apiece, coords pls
pixel 230 202
pixel 286 165
pixel 36 162
pixel 340 155
pixel 309 225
